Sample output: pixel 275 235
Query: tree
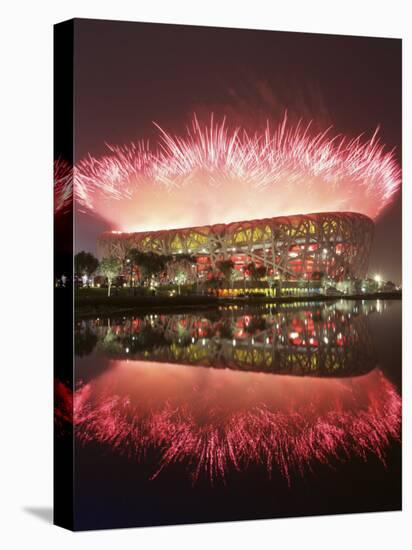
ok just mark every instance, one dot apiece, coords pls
pixel 256 272
pixel 227 268
pixel 261 272
pixel 213 282
pixel 132 261
pixel 151 264
pixel 110 268
pixel 181 279
pixel 256 325
pixel 225 329
pixel 318 276
pixel 182 273
pixel 180 269
pixel 273 280
pixel 85 263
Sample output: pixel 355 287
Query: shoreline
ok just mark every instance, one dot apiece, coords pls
pixel 90 306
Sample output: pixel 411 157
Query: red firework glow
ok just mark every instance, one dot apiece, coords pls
pixel 212 422
pixel 63 186
pixel 217 175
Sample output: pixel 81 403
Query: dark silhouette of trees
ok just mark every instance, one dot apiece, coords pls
pixel 256 273
pixel 85 263
pixel 149 264
pixel 227 268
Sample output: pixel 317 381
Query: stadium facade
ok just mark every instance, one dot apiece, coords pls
pixel 298 247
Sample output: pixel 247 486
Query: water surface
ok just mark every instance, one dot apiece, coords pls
pixel 238 413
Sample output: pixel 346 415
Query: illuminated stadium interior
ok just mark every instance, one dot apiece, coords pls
pixel 299 247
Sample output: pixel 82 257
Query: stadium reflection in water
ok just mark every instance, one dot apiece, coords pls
pixel 279 392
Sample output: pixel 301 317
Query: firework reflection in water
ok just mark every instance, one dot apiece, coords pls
pixel 214 421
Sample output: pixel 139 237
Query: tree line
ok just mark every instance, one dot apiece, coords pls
pixel 137 265
pixel 142 267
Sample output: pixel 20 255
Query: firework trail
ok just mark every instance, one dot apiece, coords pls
pixel 281 171
pixel 216 427
pixel 111 177
pixel 63 186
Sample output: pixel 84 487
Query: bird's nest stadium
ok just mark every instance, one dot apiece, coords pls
pixel 299 247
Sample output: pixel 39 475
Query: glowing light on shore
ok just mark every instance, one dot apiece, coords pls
pixel 214 174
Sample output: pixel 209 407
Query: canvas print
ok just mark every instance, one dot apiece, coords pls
pixel 227 274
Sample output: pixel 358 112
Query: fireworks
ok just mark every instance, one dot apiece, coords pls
pixel 214 174
pixel 63 186
pixel 212 423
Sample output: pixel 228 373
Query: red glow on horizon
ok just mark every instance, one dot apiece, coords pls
pixel 214 174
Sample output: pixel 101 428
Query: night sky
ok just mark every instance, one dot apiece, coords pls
pixel 128 75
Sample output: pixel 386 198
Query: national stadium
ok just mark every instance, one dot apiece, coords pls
pixel 305 247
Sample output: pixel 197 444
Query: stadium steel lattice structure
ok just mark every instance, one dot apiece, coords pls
pixel 335 244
